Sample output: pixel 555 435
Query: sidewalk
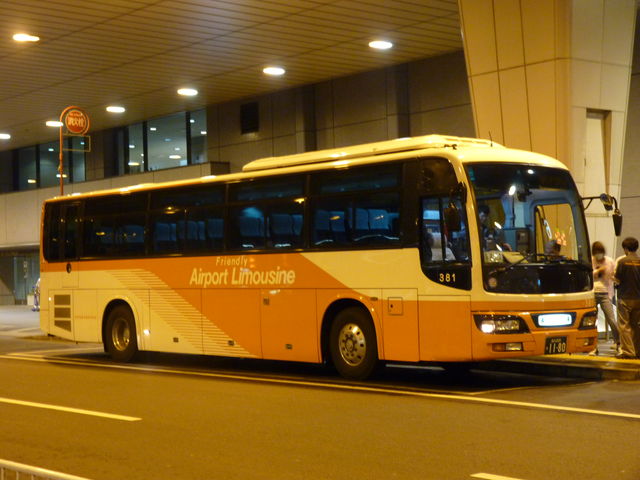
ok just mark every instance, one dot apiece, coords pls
pixel 20 321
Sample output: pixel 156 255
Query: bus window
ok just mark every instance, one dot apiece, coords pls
pixel 272 188
pixel 247 228
pixel 445 255
pixel 376 177
pixel 166 228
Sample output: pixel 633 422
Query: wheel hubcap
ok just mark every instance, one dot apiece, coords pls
pixel 120 334
pixel 353 345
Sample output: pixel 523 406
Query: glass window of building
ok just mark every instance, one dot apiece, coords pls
pixel 167 142
pixel 27 168
pixel 49 161
pixel 135 148
pixel 75 157
pixel 198 130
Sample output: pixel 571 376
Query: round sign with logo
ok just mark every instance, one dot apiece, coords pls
pixel 76 121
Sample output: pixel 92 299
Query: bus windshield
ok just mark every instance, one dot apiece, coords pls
pixel 532 231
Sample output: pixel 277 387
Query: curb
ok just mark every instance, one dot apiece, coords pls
pixel 565 368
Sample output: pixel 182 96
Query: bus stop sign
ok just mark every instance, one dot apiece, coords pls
pixel 76 121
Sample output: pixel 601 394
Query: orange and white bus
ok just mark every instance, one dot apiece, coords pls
pixel 426 249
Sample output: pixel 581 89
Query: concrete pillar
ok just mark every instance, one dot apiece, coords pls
pixel 552 76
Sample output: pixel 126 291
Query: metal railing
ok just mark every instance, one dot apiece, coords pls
pixel 18 471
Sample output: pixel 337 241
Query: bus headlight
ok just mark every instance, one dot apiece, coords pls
pixel 500 324
pixel 589 320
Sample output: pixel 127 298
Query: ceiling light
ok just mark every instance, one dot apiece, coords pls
pixel 134 164
pixel 175 157
pixel 381 44
pixel 50 149
pixel 4 136
pixel 31 180
pixel 188 92
pixel 274 71
pixel 53 123
pixel 152 129
pixel 115 109
pixel 25 37
pixel 203 132
pixel 191 120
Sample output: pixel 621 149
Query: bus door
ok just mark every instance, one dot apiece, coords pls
pixel 69 225
pixel 445 256
pixel 61 247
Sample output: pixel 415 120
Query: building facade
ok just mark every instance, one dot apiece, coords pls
pixel 563 79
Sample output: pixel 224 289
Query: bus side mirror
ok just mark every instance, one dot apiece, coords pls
pixel 610 203
pixel 452 218
pixel 607 201
pixel 617 222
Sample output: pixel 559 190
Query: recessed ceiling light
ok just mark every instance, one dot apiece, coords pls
pixel 274 71
pixel 4 136
pixel 188 92
pixel 115 109
pixel 381 44
pixel 175 157
pixel 25 37
pixel 53 123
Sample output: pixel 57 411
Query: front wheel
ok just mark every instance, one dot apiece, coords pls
pixel 120 334
pixel 353 344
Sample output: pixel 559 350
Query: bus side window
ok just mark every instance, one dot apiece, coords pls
pixel 247 228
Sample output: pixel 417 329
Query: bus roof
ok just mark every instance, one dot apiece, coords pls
pixel 369 149
pixel 463 148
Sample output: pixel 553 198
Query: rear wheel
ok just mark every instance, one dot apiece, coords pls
pixel 353 345
pixel 120 334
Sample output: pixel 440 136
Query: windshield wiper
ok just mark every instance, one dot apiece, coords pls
pixel 546 259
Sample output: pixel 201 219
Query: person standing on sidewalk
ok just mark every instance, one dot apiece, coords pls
pixel 628 277
pixel 603 270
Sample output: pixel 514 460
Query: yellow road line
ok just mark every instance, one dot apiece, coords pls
pixel 491 476
pixel 60 408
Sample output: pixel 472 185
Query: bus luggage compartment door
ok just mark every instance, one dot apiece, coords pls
pixel 289 325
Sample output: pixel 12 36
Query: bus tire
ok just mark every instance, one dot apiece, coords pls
pixel 353 345
pixel 120 338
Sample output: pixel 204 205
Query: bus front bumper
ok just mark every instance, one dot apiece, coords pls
pixel 536 339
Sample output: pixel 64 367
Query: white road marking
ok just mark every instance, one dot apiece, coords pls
pixel 40 353
pixel 60 408
pixel 334 386
pixel 491 476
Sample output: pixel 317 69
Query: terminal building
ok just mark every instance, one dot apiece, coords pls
pixel 558 77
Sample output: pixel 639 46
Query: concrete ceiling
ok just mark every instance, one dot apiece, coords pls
pixel 137 53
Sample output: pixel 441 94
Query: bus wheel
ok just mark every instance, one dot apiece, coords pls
pixel 120 334
pixel 353 346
